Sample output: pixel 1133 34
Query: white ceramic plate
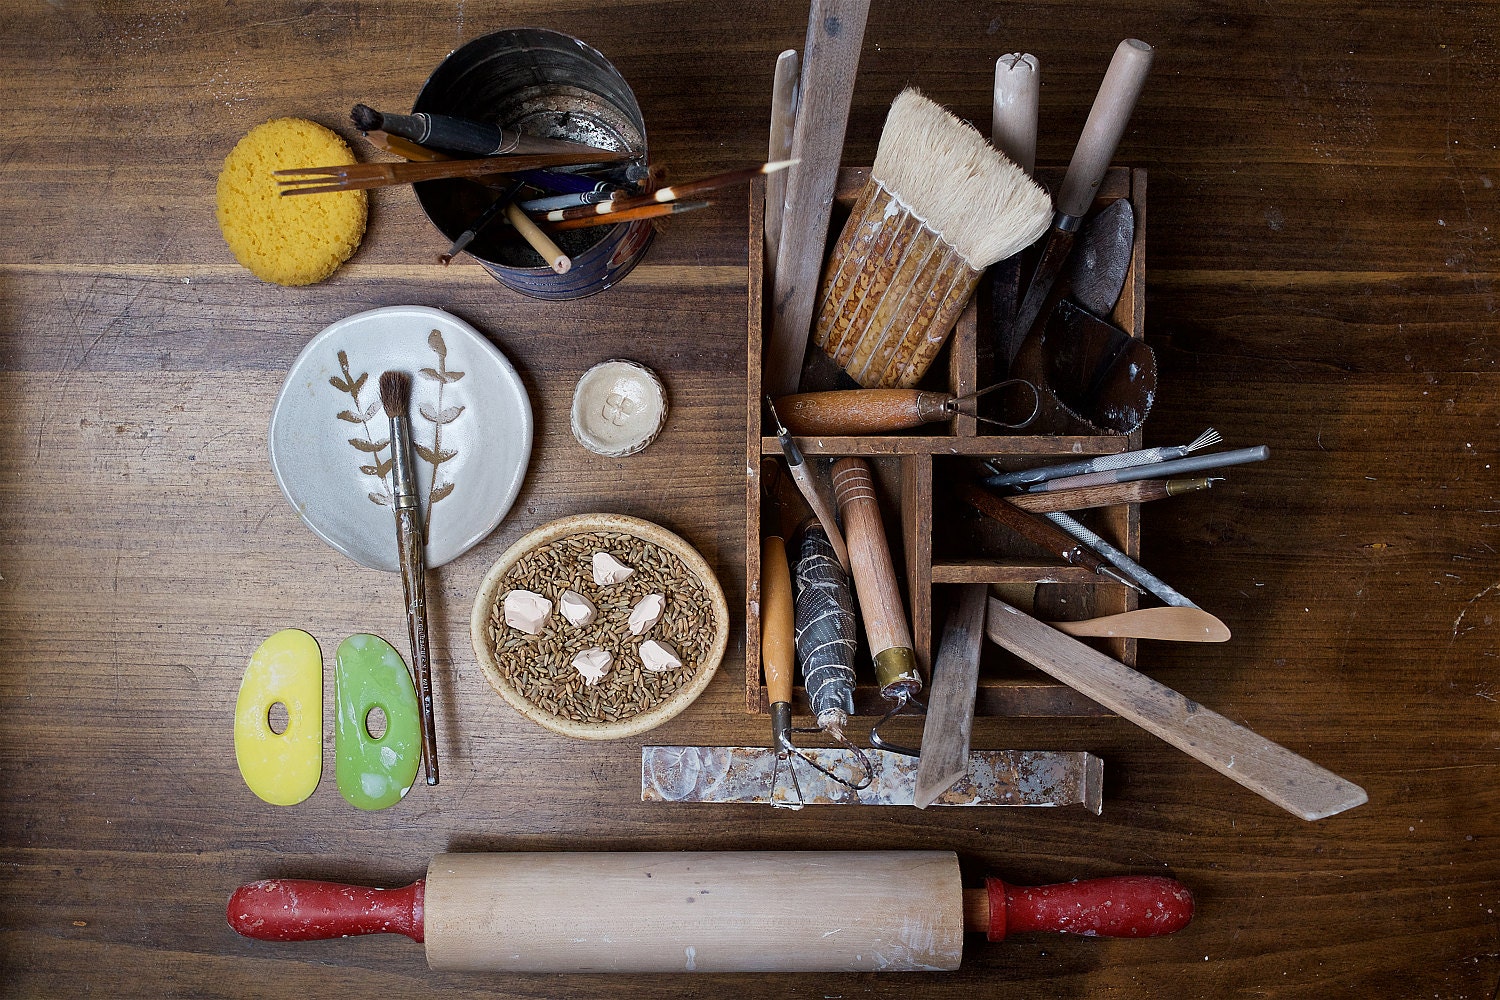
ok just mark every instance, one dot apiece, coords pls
pixel 471 433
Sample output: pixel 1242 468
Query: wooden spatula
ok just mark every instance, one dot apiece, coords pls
pixel 1175 624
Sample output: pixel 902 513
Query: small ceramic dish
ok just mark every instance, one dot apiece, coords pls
pixel 471 433
pixel 618 408
pixel 534 673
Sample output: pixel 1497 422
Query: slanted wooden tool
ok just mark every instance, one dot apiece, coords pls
pixel 699 911
pixel 1267 769
pixel 950 706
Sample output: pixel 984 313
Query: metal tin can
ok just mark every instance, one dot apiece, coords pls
pixel 549 84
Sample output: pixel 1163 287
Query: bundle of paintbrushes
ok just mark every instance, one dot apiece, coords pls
pixel 941 205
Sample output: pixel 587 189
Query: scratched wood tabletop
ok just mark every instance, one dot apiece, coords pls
pixel 1322 280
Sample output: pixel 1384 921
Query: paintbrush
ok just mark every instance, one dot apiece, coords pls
pixel 395 397
pixel 941 205
pixel 460 135
pixel 647 211
pixel 662 195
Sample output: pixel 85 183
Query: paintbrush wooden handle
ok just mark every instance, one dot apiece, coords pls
pixel 1268 769
pixel 778 649
pixel 1106 124
pixel 412 556
pixel 1092 496
pixel 862 411
pixel 874 574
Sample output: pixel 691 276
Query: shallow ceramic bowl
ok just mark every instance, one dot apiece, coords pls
pixel 492 590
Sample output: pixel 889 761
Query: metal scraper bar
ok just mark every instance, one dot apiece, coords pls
pixel 994 778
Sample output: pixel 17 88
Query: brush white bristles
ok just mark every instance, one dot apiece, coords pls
pixel 966 191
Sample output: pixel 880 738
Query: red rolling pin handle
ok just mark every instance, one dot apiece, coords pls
pixel 1122 906
pixel 294 909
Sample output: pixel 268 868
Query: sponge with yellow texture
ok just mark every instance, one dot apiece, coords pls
pixel 295 240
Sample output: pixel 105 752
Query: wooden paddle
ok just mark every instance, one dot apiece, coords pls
pixel 1175 624
pixel 1267 769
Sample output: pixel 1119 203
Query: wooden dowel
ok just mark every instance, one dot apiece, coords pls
pixel 540 241
pixel 874 574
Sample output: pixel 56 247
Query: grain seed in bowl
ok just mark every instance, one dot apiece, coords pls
pixel 541 666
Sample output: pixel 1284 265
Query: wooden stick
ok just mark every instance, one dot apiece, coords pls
pixel 830 59
pixel 783 115
pixel 540 241
pixel 950 706
pixel 1267 769
pixel 1108 495
pixel 874 575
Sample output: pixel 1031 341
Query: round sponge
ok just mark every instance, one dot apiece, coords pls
pixel 295 240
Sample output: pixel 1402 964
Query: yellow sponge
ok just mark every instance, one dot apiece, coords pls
pixel 295 240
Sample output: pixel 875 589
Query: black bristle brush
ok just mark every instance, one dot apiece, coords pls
pixel 459 135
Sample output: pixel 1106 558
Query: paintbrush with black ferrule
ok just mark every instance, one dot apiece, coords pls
pixel 395 396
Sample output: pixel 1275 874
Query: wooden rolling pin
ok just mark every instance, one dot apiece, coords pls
pixel 798 911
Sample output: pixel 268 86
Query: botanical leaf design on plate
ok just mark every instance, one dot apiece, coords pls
pixel 351 416
pixel 435 458
pixel 381 499
pixel 369 446
pixel 438 492
pixel 447 415
pixel 435 341
pixel 379 469
pixel 352 385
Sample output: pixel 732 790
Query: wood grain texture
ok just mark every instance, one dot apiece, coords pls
pixel 1323 267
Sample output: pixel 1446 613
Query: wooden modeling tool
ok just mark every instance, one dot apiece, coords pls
pixel 700 911
pixel 886 629
pixel 950 706
pixel 990 778
pixel 880 411
pixel 356 176
pixel 941 205
pixel 1268 769
pixel 811 489
pixel 395 398
pixel 1087 497
pixel 1106 123
pixel 830 57
pixel 1170 623
pixel 1013 118
pixel 783 116
pixel 1039 531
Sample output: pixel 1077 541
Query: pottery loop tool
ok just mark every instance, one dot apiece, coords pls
pixel 395 398
pixel 778 656
pixel 941 206
pixel 886 628
pixel 810 488
pixel 1120 460
pixel 1039 531
pixel 1266 768
pixel 1106 123
pixel 880 411
pixel 687 911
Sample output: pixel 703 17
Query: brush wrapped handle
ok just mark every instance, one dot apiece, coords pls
pixel 1106 124
pixel 826 632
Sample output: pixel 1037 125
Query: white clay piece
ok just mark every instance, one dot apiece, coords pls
pixel 646 613
pixel 527 611
pixel 659 657
pixel 577 609
pixel 593 664
pixel 608 570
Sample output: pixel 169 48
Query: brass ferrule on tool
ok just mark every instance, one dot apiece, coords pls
pixel 896 670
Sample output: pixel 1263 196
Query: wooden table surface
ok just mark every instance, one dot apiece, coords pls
pixel 1322 268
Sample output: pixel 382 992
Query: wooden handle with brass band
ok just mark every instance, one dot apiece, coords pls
pixel 1107 495
pixel 863 411
pixel 700 911
pixel 778 650
pixel 874 575
pixel 1029 526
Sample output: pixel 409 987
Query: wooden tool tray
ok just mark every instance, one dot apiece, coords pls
pixel 935 540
